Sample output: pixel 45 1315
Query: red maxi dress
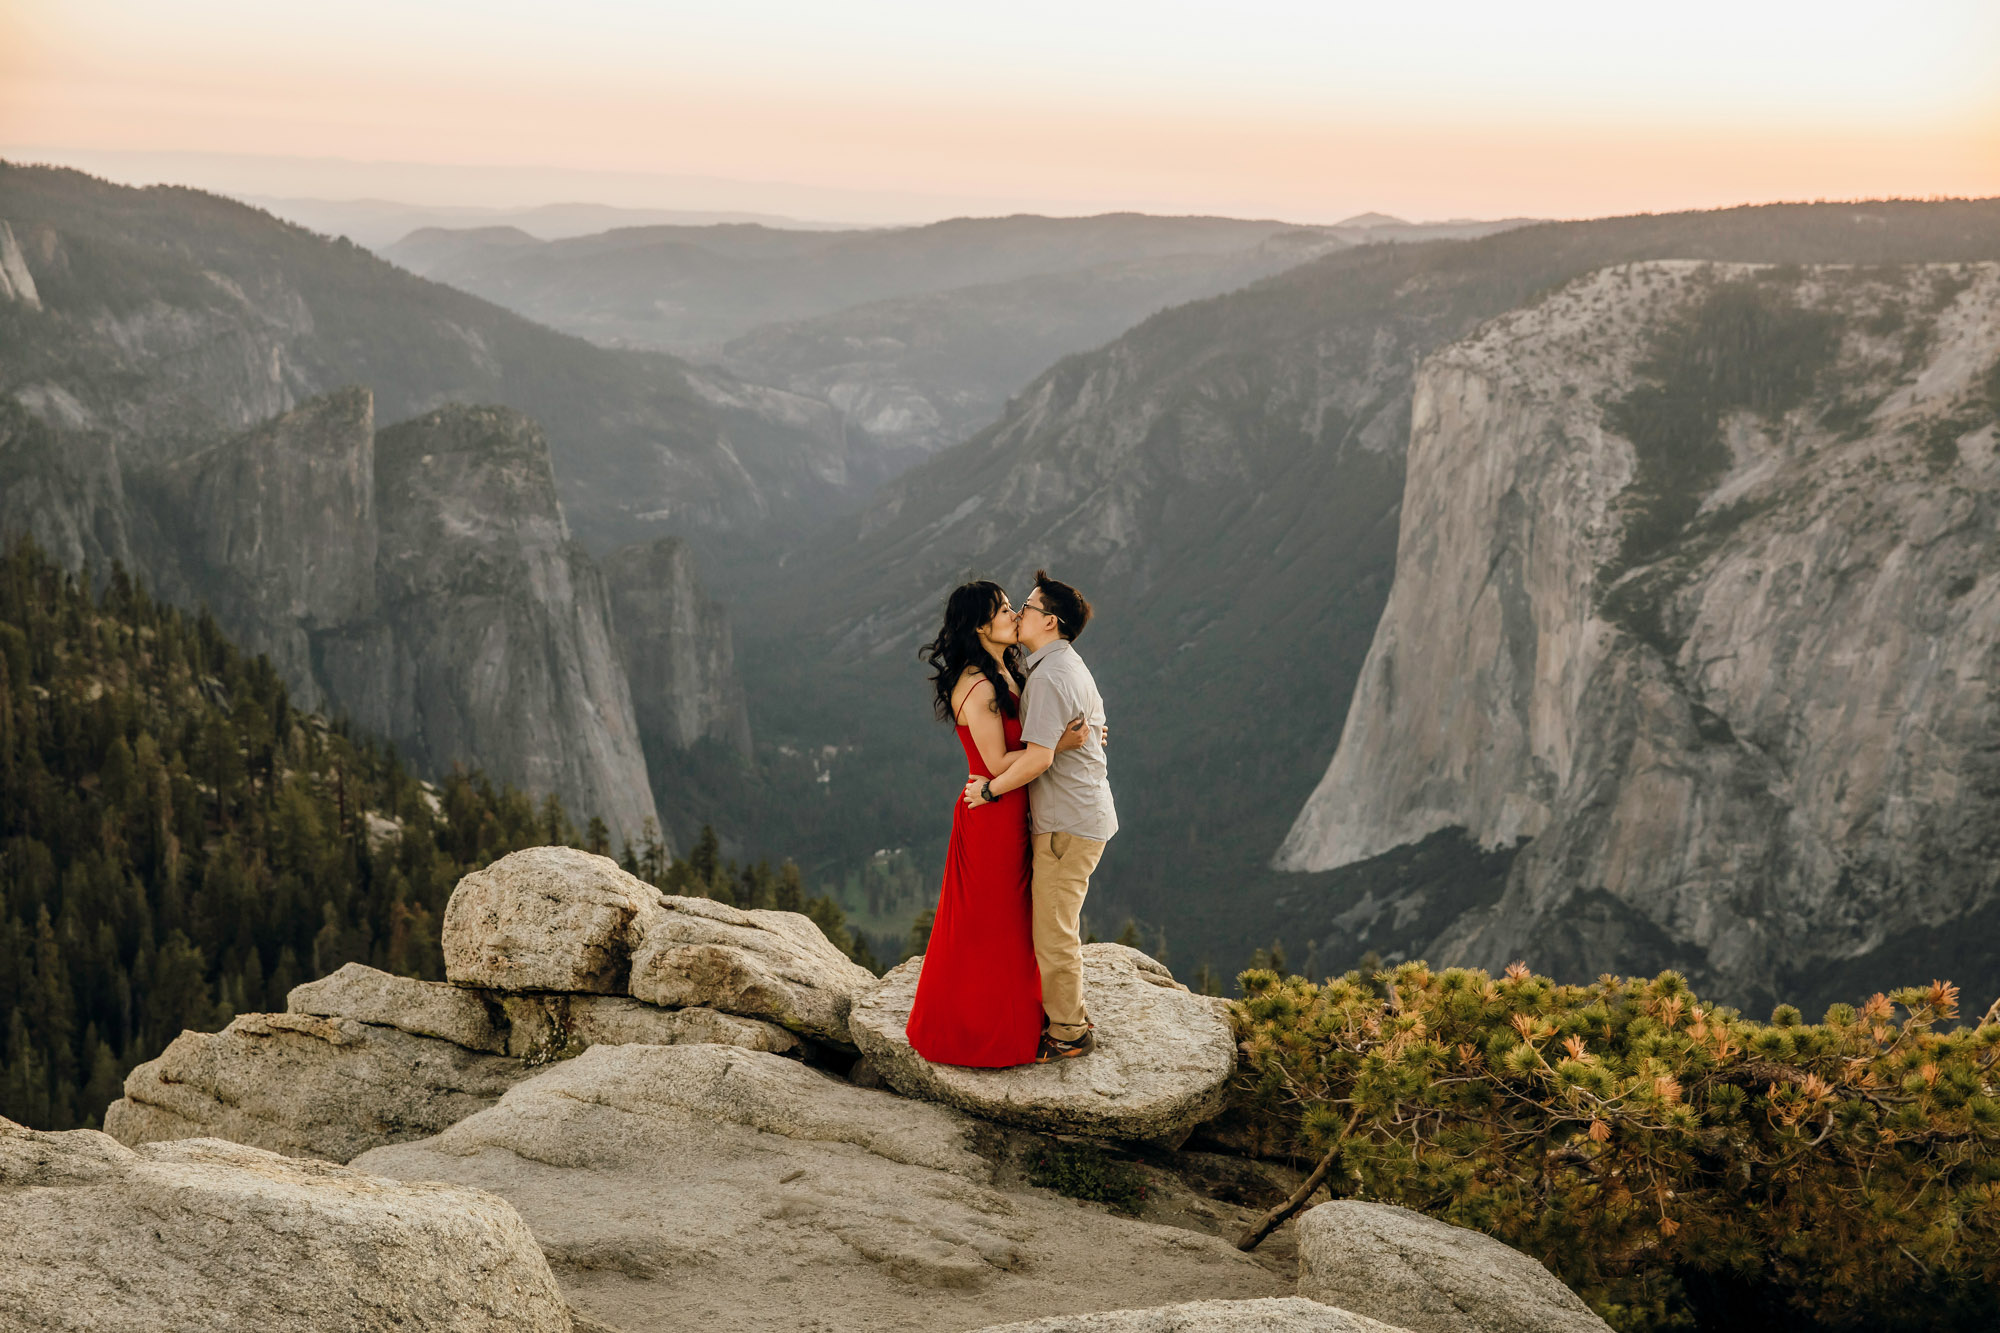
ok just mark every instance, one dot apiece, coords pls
pixel 979 995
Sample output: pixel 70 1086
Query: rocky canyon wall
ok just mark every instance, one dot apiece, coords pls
pixel 492 641
pixel 421 582
pixel 1696 597
pixel 676 646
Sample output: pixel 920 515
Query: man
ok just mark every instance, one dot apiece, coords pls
pixel 1070 802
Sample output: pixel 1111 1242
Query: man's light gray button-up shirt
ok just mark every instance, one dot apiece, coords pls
pixel 1074 796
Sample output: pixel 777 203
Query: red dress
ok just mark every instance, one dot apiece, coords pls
pixel 979 995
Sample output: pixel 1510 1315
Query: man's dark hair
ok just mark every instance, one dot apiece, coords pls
pixel 1065 603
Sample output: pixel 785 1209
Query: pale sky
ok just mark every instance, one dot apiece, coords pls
pixel 872 110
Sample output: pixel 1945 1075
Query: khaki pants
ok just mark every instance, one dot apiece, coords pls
pixel 1063 863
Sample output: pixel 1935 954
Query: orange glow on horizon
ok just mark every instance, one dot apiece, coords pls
pixel 1034 134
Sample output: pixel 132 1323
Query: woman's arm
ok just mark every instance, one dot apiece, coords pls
pixel 975 706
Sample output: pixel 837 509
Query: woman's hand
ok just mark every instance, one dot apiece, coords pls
pixel 1074 734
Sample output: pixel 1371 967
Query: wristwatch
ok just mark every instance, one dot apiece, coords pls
pixel 986 790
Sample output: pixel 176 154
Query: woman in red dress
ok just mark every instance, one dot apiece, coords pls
pixel 979 994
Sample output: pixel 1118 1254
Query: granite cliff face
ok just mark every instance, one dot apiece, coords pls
pixel 421 582
pixel 1695 594
pixel 492 640
pixel 274 529
pixel 676 647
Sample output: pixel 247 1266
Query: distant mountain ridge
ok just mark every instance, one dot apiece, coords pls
pixel 685 289
pixel 169 318
pixel 917 334
pixel 376 223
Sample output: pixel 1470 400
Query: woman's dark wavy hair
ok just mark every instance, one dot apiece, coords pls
pixel 957 647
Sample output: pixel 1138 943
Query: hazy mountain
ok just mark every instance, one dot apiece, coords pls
pixel 1698 595
pixel 690 289
pixel 376 223
pixel 1226 480
pixel 168 318
pixel 922 372
pixel 917 334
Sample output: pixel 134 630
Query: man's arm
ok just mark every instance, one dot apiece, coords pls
pixel 1024 766
pixel 1032 762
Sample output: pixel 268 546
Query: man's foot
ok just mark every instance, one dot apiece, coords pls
pixel 1052 1049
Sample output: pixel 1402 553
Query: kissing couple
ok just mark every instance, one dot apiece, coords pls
pixel 1002 978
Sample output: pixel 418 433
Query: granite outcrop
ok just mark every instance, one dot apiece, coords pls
pixel 1163 1059
pixel 200 1235
pixel 1428 1276
pixel 690 1163
pixel 1694 601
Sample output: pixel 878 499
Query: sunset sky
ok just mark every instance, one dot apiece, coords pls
pixel 875 111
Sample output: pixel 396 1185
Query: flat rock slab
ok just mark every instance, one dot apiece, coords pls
pixel 1287 1314
pixel 545 919
pixel 1163 1057
pixel 536 1026
pixel 203 1235
pixel 1429 1276
pixel 678 1187
pixel 421 1008
pixel 306 1086
pixel 759 964
pixel 541 1026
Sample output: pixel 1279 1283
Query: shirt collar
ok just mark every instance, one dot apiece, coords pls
pixel 1043 653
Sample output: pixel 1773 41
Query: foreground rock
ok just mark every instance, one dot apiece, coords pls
pixel 545 919
pixel 1163 1056
pixel 306 1086
pixel 705 1186
pixel 555 919
pixel 1428 1276
pixel 206 1235
pixel 1290 1314
pixel 537 1027
pixel 421 1008
pixel 775 965
pixel 542 1027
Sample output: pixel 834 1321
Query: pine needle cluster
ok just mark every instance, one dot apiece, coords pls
pixel 1659 1154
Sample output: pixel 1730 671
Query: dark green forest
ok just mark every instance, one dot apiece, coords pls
pixel 179 843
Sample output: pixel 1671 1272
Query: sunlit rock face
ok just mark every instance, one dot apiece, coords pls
pixel 1696 592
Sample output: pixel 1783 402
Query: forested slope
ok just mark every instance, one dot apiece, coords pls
pixel 179 844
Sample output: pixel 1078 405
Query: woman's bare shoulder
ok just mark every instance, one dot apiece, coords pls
pixel 970 686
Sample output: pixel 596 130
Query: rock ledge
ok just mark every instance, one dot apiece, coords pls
pixel 1163 1057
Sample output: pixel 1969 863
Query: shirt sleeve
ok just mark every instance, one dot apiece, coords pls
pixel 1047 709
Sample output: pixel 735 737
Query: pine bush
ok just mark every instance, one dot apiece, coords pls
pixel 1660 1155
